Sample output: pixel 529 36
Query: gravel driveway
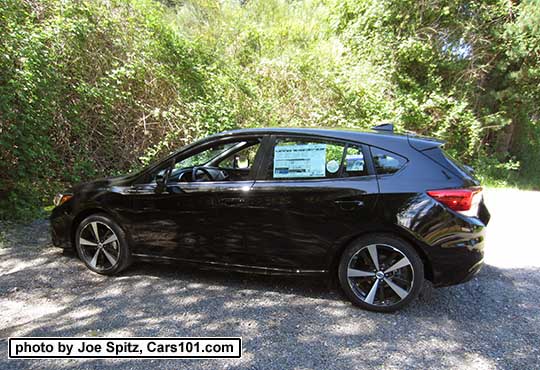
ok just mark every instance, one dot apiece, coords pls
pixel 491 322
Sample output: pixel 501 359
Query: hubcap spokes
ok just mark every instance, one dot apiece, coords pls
pixel 380 274
pixel 99 245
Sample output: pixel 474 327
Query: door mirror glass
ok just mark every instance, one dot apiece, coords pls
pixel 160 177
pixel 160 184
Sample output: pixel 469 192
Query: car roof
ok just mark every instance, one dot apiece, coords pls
pixel 384 139
pixel 380 138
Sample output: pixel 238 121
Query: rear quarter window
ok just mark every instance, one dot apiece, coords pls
pixel 386 162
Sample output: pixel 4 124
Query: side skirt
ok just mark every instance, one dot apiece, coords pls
pixel 230 266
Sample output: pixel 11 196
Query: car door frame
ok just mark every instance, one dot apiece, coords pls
pixel 241 188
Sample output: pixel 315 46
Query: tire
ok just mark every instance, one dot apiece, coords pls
pixel 109 254
pixel 390 286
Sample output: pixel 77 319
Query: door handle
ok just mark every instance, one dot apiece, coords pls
pixel 232 201
pixel 349 204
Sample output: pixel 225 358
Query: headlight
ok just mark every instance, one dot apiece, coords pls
pixel 61 198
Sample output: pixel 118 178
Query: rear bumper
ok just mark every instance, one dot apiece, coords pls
pixel 453 244
pixel 456 266
pixel 458 256
pixel 465 248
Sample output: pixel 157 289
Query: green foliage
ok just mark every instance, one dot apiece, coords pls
pixel 88 86
pixel 465 72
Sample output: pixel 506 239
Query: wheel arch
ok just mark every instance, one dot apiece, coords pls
pixel 388 230
pixel 84 214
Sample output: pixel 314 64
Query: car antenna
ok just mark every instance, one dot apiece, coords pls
pixel 384 127
pixel 389 127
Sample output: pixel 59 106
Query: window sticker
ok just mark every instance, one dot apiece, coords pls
pixel 355 162
pixel 304 160
pixel 332 166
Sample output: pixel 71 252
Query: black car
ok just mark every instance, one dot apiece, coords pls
pixel 379 211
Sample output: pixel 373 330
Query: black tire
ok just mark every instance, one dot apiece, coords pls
pixel 381 291
pixel 118 249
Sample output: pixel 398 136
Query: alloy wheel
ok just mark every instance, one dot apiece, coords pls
pixel 380 275
pixel 99 245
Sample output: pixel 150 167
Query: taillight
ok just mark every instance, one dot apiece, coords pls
pixel 464 201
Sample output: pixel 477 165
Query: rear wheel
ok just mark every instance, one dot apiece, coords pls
pixel 101 245
pixel 381 273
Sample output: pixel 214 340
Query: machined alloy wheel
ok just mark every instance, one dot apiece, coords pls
pixel 381 274
pixel 101 245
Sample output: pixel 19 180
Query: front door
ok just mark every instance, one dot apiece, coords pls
pixel 200 214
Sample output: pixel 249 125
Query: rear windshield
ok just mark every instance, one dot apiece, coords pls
pixel 457 164
pixel 447 161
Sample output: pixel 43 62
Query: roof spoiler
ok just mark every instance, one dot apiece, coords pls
pixel 419 143
pixel 423 143
pixel 384 127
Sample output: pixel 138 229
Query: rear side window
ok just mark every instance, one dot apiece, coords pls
pixel 386 162
pixel 304 158
pixel 354 163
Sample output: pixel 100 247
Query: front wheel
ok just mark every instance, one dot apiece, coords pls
pixel 102 246
pixel 381 273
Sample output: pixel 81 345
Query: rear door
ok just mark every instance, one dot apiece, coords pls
pixel 310 194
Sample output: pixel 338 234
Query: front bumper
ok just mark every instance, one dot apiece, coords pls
pixel 60 221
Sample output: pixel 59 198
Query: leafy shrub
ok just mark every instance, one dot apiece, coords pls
pixel 87 86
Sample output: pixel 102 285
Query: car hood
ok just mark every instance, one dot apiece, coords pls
pixel 102 183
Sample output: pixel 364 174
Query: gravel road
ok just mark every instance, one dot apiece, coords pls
pixel 491 322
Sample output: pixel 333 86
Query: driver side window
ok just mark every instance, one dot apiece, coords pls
pixel 231 161
pixel 204 157
pixel 242 159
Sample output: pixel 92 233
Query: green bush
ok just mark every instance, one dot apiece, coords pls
pixel 87 86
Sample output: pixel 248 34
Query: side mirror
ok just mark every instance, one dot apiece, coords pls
pixel 160 181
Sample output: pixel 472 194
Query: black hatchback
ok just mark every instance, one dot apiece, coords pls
pixel 380 212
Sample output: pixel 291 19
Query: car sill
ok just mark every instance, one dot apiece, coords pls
pixel 231 266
